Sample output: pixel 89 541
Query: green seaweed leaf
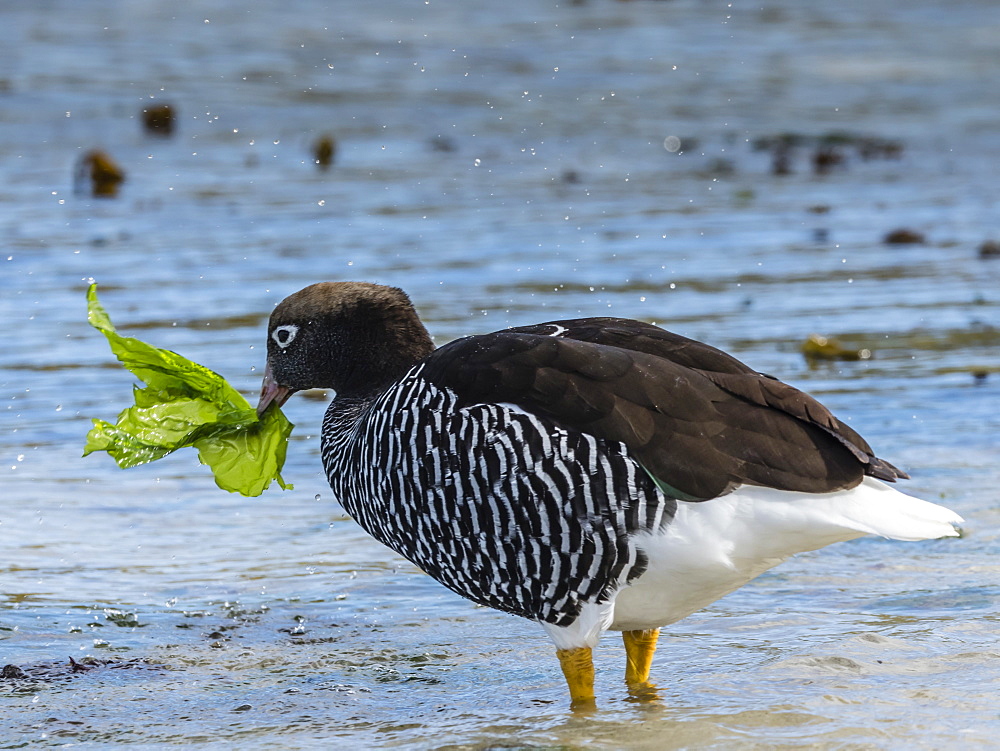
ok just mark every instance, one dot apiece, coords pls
pixel 186 404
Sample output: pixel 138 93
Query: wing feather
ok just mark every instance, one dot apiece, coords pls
pixel 697 419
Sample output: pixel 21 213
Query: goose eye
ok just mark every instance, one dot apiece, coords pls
pixel 284 335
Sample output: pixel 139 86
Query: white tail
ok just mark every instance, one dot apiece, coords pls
pixel 876 508
pixel 785 523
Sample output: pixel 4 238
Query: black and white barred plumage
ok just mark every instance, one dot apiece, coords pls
pixel 497 504
pixel 589 474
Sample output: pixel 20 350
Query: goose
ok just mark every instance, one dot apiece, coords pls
pixel 592 474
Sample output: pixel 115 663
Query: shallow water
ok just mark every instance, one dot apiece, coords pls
pixel 505 165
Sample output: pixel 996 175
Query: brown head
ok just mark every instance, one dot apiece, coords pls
pixel 353 337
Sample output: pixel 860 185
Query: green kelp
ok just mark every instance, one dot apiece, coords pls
pixel 186 404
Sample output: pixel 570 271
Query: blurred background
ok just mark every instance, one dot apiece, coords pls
pixel 810 186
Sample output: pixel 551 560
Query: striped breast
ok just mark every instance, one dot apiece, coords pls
pixel 499 505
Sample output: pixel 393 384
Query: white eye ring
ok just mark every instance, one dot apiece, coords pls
pixel 290 330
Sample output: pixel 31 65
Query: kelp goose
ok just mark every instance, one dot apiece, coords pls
pixel 588 474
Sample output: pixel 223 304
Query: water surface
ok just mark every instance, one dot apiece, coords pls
pixel 505 164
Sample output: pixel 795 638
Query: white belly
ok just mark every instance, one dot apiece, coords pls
pixel 715 547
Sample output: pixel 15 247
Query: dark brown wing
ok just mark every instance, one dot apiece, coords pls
pixel 640 337
pixel 724 370
pixel 699 421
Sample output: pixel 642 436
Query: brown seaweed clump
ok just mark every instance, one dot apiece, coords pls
pixel 159 120
pixel 826 158
pixel 989 249
pixel 102 172
pixel 325 151
pixel 830 150
pixel 904 236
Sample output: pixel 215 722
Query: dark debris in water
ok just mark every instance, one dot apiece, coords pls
pixel 818 347
pixel 989 249
pixel 442 144
pixel 159 120
pixel 826 157
pixel 97 170
pixel 829 150
pixel 54 671
pixel 325 151
pixel 123 618
pixel 904 236
pixel 981 374
pixel 12 673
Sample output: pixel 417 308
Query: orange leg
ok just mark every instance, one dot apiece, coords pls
pixel 639 649
pixel 578 667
